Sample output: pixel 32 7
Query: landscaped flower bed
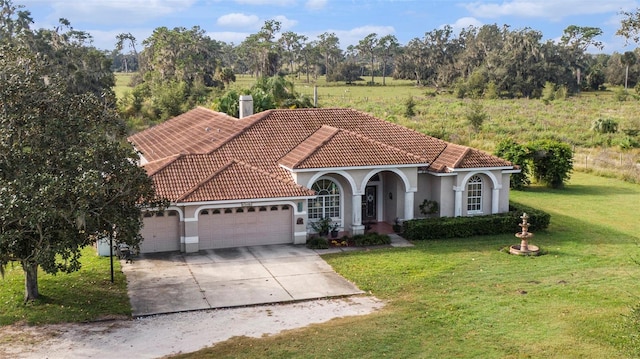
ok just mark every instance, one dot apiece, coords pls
pixel 359 240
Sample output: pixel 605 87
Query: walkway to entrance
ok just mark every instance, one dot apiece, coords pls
pixel 177 282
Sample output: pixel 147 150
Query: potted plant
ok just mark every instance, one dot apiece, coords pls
pixel 334 230
pixel 397 227
pixel 429 208
pixel 322 226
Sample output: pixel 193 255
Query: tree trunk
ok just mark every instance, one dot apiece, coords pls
pixel 626 76
pixel 372 73
pixel 384 70
pixel 30 281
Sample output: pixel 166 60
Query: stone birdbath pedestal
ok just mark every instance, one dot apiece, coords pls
pixel 524 248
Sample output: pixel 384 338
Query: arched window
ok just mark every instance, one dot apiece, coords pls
pixel 327 202
pixel 474 195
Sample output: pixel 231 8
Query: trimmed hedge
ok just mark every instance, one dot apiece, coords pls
pixel 370 239
pixel 457 227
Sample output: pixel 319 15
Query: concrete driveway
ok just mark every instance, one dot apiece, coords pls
pixel 177 282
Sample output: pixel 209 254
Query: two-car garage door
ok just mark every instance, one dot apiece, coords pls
pixel 220 228
pixel 245 226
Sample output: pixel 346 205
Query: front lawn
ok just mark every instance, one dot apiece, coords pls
pixel 85 295
pixel 465 298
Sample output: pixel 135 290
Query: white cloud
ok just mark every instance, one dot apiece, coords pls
pixel 285 23
pixel 107 12
pixel 316 4
pixel 553 9
pixel 238 20
pixel 463 23
pixel 267 2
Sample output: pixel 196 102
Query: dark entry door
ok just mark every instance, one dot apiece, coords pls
pixel 369 204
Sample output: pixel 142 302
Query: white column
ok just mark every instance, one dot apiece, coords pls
pixel 495 200
pixel 408 205
pixel 457 212
pixel 356 219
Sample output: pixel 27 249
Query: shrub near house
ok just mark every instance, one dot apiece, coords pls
pixel 457 227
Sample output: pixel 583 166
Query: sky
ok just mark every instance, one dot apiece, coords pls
pixel 351 20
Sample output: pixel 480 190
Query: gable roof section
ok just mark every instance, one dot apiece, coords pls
pixel 240 181
pixel 458 157
pixel 195 131
pixel 332 147
pixel 180 174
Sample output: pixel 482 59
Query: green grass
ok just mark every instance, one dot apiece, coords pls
pixel 86 295
pixel 465 298
pixel 123 81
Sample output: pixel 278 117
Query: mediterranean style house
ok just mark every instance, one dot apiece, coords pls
pixel 264 178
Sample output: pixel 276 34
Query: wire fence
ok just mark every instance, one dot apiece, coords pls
pixel 609 162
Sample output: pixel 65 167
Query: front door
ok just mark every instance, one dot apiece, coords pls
pixel 369 205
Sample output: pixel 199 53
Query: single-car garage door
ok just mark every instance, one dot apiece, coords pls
pixel 246 226
pixel 161 232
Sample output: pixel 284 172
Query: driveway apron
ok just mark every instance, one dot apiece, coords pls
pixel 232 277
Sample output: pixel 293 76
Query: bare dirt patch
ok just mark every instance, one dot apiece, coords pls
pixel 162 335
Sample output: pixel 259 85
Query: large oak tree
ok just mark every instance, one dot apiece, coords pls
pixel 67 175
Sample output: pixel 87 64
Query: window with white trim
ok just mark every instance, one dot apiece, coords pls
pixel 474 195
pixel 327 201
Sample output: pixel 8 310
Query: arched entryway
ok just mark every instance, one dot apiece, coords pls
pixel 387 197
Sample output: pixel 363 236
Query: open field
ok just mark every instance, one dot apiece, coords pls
pixel 465 298
pixel 443 116
pixel 123 82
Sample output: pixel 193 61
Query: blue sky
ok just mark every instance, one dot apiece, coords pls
pixel 350 20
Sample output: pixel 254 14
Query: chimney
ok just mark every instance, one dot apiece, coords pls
pixel 246 106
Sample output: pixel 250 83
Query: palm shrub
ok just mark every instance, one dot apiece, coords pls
pixel 476 115
pixel 621 94
pixel 548 92
pixel 491 92
pixel 604 126
pixel 410 107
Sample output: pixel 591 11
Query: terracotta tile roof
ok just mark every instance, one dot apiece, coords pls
pixel 457 156
pixel 195 131
pixel 307 147
pixel 182 173
pixel 221 147
pixel 240 181
pixel 332 147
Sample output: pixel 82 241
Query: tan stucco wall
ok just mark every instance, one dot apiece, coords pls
pixel 426 184
pixel 505 192
pixel 444 194
pixel 393 208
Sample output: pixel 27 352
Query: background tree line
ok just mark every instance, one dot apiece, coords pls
pixel 180 68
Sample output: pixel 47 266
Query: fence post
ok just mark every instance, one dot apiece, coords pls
pixel 586 162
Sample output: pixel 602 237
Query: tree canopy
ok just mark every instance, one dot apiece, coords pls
pixel 67 176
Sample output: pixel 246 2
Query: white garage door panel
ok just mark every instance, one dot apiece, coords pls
pixel 161 233
pixel 221 229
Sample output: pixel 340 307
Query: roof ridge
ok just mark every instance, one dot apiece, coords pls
pixel 380 143
pixel 325 140
pixel 462 156
pixel 169 120
pixel 269 174
pixel 250 122
pixel 206 179
pixel 164 166
pixel 404 128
